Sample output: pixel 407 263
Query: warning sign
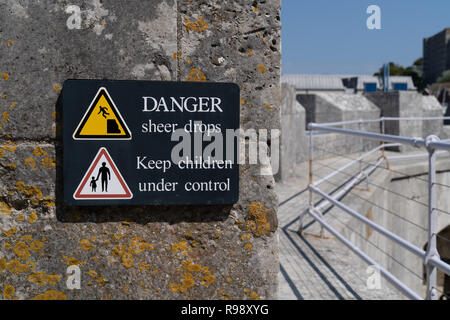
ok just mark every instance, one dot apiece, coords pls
pixel 102 180
pixel 102 120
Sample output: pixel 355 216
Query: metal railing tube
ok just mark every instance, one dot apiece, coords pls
pixel 390 277
pixel 416 142
pixel 410 247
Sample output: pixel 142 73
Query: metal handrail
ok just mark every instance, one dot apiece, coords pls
pixel 382 119
pixel 430 257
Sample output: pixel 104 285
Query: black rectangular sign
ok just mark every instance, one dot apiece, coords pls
pixel 150 142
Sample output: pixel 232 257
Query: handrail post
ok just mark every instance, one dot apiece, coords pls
pixel 432 221
pixel 311 180
pixel 361 146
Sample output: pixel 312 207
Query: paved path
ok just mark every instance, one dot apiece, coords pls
pixel 315 268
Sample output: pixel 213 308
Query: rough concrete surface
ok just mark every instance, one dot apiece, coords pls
pixel 211 252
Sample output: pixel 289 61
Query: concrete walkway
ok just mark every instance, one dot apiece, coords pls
pixel 316 268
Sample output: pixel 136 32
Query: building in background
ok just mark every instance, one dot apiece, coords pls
pixel 312 83
pixel 436 56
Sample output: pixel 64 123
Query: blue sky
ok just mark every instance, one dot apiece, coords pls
pixel 331 37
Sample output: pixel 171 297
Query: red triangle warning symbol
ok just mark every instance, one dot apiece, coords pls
pixel 102 180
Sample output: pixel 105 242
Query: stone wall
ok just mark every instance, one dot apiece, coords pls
pixel 293 141
pixel 149 252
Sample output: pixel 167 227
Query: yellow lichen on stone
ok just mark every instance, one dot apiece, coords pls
pixel 189 266
pixel 199 25
pixel 8 291
pixel 246 237
pixel 196 75
pixel 10 146
pixel 261 68
pixel 7 246
pixel 249 52
pixel 42 279
pixel 5 208
pixel 2 264
pixel 51 295
pixel 12 166
pixel 144 266
pixel 38 151
pixel 4 75
pixel 260 226
pixel 9 43
pixel 21 250
pixel 174 287
pixel 186 283
pixel 179 246
pixel 27 238
pixel 248 246
pixel 36 246
pixel 86 245
pixel 10 232
pixel 177 54
pixel 127 260
pixel 30 163
pixel 118 250
pixel 254 296
pixel 57 88
pixel 138 245
pixel 13 105
pixel 48 202
pixel 32 218
pixel 48 163
pixel 5 116
pixel 93 274
pixel 16 267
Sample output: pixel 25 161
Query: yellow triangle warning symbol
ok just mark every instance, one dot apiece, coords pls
pixel 102 120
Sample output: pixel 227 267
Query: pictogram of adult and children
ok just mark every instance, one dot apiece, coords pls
pixel 105 175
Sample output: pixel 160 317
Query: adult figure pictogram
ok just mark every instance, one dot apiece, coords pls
pixel 105 176
pixel 103 111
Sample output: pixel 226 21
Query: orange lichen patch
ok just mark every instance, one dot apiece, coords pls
pixel 48 202
pixel 174 287
pixel 13 105
pixel 100 281
pixel 5 116
pixel 255 9
pixel 2 152
pixel 5 208
pixel 8 291
pixel 4 96
pixel 259 226
pixel 51 295
pixel 9 43
pixel 27 238
pixel 118 236
pixel 31 266
pixel 30 163
pixel 248 246
pixel 93 274
pixel 179 246
pixel 126 289
pixel 38 151
pixel 196 75
pixel 48 163
pixel 36 246
pixel 144 266
pixel 155 271
pixel 21 250
pixel 189 266
pixel 86 245
pixel 71 261
pixel 187 282
pixel 254 296
pixel 11 166
pixel 268 106
pixel 54 115
pixel 138 245
pixel 127 260
pixel 249 52
pixel 32 193
pixel 16 267
pixel 21 218
pixel 229 280
pixel 7 246
pixel 261 68
pixel 2 264
pixel 32 218
pixel 118 250
pixel 10 232
pixel 4 76
pixel 199 25
pixel 57 88
pixel 177 54
pixel 10 146
pixel 208 280
pixel 246 237
pixel 42 279
pixel 188 61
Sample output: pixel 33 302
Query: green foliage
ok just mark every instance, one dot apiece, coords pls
pixel 445 77
pixel 414 71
